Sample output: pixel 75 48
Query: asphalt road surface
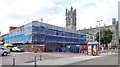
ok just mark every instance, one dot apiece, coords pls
pixel 106 60
pixel 22 57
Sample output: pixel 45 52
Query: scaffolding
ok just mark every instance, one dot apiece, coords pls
pixel 42 33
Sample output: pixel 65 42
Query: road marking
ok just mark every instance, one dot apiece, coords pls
pixel 17 53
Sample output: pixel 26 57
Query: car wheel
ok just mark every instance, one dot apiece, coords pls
pixel 5 54
pixel 11 50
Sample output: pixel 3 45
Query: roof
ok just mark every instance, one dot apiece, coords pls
pixel 95 28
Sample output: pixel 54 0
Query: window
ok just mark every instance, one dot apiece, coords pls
pixel 69 21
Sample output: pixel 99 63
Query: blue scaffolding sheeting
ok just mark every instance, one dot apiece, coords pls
pixel 42 33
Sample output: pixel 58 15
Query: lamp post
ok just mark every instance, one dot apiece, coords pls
pixel 99 35
pixel 46 32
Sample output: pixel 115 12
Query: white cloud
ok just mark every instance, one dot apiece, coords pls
pixel 104 9
pixel 19 12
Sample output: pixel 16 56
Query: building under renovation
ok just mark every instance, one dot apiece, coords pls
pixel 42 34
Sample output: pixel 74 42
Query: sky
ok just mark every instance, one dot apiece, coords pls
pixel 20 12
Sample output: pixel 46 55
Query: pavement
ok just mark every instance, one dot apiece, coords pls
pixel 27 57
pixel 63 61
pixel 54 58
pixel 105 60
pixel 69 60
pixel 0 61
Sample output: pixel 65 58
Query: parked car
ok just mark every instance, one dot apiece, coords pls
pixel 9 46
pixel 4 51
pixel 17 49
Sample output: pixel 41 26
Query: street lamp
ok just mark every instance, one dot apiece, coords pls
pixel 46 32
pixel 99 34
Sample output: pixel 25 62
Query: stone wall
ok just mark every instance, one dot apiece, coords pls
pixel 114 27
pixel 32 48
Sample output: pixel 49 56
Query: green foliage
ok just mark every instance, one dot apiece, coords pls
pixel 105 36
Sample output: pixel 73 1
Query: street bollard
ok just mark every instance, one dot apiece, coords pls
pixel 40 57
pixel 112 51
pixel 13 60
pixel 116 51
pixel 35 61
pixel 107 51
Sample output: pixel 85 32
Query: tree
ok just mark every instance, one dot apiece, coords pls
pixel 105 37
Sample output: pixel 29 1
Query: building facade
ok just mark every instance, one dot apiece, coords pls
pixel 90 38
pixel 71 19
pixel 119 19
pixel 2 39
pixel 44 34
pixel 114 28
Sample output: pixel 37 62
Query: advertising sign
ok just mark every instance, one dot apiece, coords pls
pixel 42 44
pixel 94 49
pixel 37 45
pixel 89 49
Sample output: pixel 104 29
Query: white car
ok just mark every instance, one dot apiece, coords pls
pixel 17 49
pixel 4 51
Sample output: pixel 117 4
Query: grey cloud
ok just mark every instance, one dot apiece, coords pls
pixel 61 2
pixel 45 11
pixel 18 16
pixel 88 5
pixel 40 12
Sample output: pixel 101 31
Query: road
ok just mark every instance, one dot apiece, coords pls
pixel 29 57
pixel 106 60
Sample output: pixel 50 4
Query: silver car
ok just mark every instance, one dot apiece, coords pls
pixel 4 51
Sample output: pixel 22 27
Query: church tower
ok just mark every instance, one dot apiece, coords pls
pixel 71 19
pixel 115 38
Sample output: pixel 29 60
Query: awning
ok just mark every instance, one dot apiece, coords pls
pixel 5 45
pixel 92 43
pixel 39 45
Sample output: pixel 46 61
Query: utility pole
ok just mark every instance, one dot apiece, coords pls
pixel 99 36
